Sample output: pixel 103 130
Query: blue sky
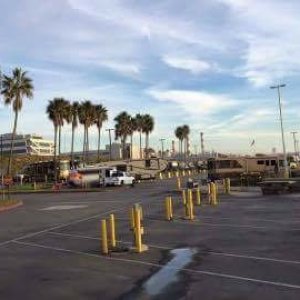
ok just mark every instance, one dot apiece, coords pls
pixel 207 63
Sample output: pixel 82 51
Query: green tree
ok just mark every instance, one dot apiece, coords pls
pixel 86 117
pixel 100 117
pixel 179 134
pixel 15 89
pixel 132 129
pixel 186 133
pixel 148 126
pixel 54 117
pixel 139 127
pixel 122 129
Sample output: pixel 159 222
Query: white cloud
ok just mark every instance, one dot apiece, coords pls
pixel 195 66
pixel 194 102
pixel 122 67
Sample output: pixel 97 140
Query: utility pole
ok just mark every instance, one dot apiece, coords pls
pixel 162 147
pixel 285 163
pixel 202 143
pixel 295 141
pixel 109 132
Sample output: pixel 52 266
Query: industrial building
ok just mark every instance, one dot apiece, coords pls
pixel 26 144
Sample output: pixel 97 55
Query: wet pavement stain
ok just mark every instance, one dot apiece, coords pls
pixel 167 282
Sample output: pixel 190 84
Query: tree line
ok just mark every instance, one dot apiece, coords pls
pixel 19 86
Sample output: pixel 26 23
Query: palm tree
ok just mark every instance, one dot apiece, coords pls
pixel 122 129
pixel 132 129
pixel 15 89
pixel 148 126
pixel 72 117
pixel 186 132
pixel 54 117
pixel 87 119
pixel 139 127
pixel 61 109
pixel 179 135
pixel 100 117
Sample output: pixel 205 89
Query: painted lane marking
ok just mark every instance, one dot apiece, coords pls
pixel 64 207
pixel 202 272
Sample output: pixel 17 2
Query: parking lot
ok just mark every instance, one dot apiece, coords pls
pixel 247 247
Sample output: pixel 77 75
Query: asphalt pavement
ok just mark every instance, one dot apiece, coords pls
pixel 247 247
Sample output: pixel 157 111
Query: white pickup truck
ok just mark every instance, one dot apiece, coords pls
pixel 118 178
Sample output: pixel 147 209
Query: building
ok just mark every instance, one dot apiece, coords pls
pixel 26 144
pixel 116 151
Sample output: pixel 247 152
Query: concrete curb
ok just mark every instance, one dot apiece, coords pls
pixel 15 205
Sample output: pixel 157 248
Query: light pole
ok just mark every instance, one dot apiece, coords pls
pixel 109 132
pixel 285 164
pixel 295 141
pixel 162 147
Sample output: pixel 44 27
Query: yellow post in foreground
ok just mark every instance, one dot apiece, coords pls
pixel 190 195
pixel 169 208
pixel 190 209
pixel 169 175
pixel 209 193
pixel 227 185
pixel 139 247
pixel 213 194
pixel 178 183
pixel 198 196
pixel 131 215
pixel 104 237
pixel 183 197
pixel 112 225
pixel 160 176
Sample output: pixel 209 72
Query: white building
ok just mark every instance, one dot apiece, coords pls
pixel 116 151
pixel 26 144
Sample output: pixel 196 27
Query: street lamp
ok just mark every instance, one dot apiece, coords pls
pixel 162 147
pixel 109 132
pixel 285 164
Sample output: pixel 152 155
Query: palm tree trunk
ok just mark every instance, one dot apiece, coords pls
pixel 84 144
pixel 131 143
pixel 99 138
pixel 87 144
pixel 59 139
pixel 147 145
pixel 54 157
pixel 141 156
pixel 12 143
pixel 72 146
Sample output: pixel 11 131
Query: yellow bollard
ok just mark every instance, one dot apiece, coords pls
pixel 177 174
pixel 160 176
pixel 190 195
pixel 213 189
pixel 189 172
pixel 191 209
pixel 169 175
pixel 104 237
pixel 112 225
pixel 139 247
pixel 169 208
pixel 183 173
pixel 183 197
pixel 198 196
pixel 209 193
pixel 168 217
pixel 227 185
pixel 131 214
pixel 178 183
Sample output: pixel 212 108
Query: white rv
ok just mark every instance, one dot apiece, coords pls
pixel 95 176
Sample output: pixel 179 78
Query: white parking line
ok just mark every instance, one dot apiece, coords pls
pixel 60 226
pixel 201 272
pixel 295 262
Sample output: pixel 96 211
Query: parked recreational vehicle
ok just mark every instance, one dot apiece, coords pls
pixel 99 176
pixel 250 166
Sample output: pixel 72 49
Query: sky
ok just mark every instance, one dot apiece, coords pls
pixel 205 63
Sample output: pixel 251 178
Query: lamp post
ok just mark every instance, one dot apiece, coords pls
pixel 162 147
pixel 109 132
pixel 285 164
